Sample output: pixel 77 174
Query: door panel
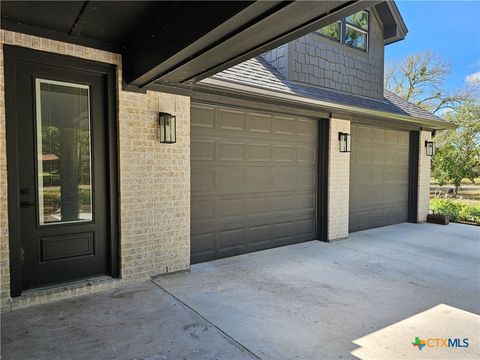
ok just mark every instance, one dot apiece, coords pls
pixel 378 177
pixel 253 181
pixel 62 183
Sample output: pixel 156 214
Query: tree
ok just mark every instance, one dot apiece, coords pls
pixel 458 154
pixel 420 78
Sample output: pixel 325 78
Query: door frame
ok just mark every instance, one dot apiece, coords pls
pixel 13 55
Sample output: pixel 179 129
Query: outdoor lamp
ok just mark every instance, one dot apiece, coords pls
pixel 345 142
pixel 429 148
pixel 168 128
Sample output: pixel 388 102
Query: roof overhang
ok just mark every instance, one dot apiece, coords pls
pixel 222 87
pixel 175 41
pixel 394 28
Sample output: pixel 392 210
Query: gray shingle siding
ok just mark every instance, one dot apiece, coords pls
pixel 315 60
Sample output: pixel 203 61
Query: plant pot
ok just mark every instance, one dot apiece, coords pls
pixel 438 219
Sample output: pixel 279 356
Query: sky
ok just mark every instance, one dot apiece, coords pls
pixel 449 28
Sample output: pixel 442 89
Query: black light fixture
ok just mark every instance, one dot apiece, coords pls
pixel 345 142
pixel 168 128
pixel 429 148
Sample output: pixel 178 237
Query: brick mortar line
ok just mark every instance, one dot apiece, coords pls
pixel 208 321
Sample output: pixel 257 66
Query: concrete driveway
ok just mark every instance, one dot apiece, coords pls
pixel 305 301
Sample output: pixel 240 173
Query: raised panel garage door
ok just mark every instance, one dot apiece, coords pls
pixel 253 181
pixel 378 177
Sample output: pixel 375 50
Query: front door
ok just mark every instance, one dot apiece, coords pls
pixel 62 174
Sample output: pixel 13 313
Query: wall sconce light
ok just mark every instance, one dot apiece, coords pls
pixel 168 128
pixel 429 148
pixel 345 142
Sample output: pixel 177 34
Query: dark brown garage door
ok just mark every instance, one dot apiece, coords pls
pixel 378 177
pixel 253 181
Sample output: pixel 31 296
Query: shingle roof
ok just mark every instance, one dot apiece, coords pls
pixel 259 73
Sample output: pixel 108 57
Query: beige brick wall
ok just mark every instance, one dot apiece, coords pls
pixel 423 178
pixel 154 182
pixel 338 182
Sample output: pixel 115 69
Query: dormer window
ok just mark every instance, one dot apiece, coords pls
pixel 352 31
pixel 333 31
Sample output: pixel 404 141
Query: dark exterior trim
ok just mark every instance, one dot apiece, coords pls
pixel 413 176
pixel 13 55
pixel 322 179
pixel 11 25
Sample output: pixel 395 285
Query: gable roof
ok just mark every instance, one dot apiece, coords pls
pixel 257 73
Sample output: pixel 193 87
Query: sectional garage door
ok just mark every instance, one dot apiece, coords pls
pixel 378 177
pixel 253 181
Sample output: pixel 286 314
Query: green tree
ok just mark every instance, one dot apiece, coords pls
pixel 458 150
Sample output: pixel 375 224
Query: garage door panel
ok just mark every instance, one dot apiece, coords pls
pixel 203 181
pixel 306 129
pixel 232 239
pixel 378 136
pixel 259 234
pixel 231 120
pixel 260 123
pixel 259 152
pixel 284 178
pixel 306 202
pixel 379 177
pixel 284 229
pixel 203 210
pixel 231 151
pixel 306 178
pixel 362 156
pixel 363 134
pixel 202 150
pixel 203 244
pixel 253 181
pixel 306 154
pixel 231 209
pixel 229 180
pixel 203 116
pixel 284 153
pixel 305 227
pixel 403 138
pixel 259 179
pixel 284 125
pixel 259 206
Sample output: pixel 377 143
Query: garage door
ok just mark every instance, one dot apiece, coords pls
pixel 378 177
pixel 253 181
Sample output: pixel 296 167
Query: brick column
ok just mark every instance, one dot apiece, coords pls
pixel 423 178
pixel 338 182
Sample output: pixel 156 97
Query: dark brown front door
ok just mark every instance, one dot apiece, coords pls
pixel 63 195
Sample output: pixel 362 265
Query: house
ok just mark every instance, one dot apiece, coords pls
pixel 260 125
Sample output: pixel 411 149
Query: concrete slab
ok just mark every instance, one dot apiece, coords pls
pixel 312 300
pixel 135 322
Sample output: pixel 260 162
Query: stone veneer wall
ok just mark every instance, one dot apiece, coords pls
pixel 154 182
pixel 423 178
pixel 338 182
pixel 318 61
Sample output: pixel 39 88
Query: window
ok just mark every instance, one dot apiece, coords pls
pixel 352 31
pixel 333 31
pixel 356 30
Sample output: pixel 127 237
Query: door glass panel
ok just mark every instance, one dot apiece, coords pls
pixel 63 152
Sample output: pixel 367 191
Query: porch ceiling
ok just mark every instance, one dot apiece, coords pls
pixel 175 41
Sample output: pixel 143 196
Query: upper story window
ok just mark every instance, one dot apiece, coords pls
pixel 333 31
pixel 352 31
